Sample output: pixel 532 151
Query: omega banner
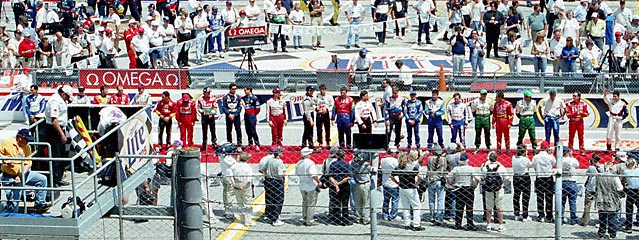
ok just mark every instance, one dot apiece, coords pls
pixel 247 37
pixel 151 79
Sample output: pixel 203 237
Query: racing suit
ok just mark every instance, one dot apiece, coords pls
pixel 481 112
pixel 119 99
pixel 502 119
pixel 526 113
pixel 165 109
pixel 308 105
pixel 186 117
pixel 34 106
pixel 435 110
pixel 576 112
pixel 365 116
pixel 618 111
pixel 459 117
pixel 413 112
pixel 231 106
pixel 207 107
pixel 276 113
pixel 252 108
pixel 343 111
pixel 394 117
pixel 324 106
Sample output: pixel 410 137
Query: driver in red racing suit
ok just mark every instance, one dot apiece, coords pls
pixel 186 117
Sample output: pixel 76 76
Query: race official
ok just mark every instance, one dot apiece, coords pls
pixel 308 105
pixel 276 116
pixel 231 107
pixel 576 111
pixel 365 114
pixel 252 108
pixel 339 193
pixel 525 111
pixel 482 108
pixel 57 120
pixel 464 177
pixel 186 115
pixel 343 115
pixel 413 111
pixel 435 109
pixel 521 165
pixel 459 117
pixel 274 176
pixel 394 115
pixel 361 170
pixel 241 182
pixel 552 109
pixel 324 106
pixel 165 109
pixel 502 120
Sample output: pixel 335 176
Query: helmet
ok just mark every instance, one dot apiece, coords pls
pixel 363 51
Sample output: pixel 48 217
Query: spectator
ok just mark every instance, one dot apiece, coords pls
pixel 361 169
pixel 167 41
pixel 34 105
pixel 590 187
pixel 580 12
pixel 554 8
pixel 83 39
pixel 15 170
pixel 130 33
pixel 493 21
pixel 540 52
pixel 215 25
pixel 620 52
pixel 513 48
pixel 252 11
pixel 408 178
pixel 544 183
pixel 436 170
pixel 571 28
pixel 60 49
pixel 140 44
pixel 274 176
pixel 355 14
pixel 633 56
pixel 296 18
pixel 184 25
pixel 114 19
pixel 569 54
pixel 54 24
pixel 537 23
pixel 424 8
pixel 153 11
pixel 241 181
pixel 44 55
pixel 398 12
pixel 316 9
pixel 521 183
pixel 200 24
pixel 556 45
pixel 632 193
pixel 463 177
pixel 339 193
pixel 389 184
pixel 456 18
pixel 608 201
pixel 512 22
pixel 458 44
pixel 569 186
pixel 27 50
pixel 493 176
pixel 595 29
pixel 278 15
pixel 156 36
pixel 229 16
pixel 19 7
pixel 382 9
pixel 147 23
pixel 477 52
pixel 108 48
pixel 229 159
pixel 77 52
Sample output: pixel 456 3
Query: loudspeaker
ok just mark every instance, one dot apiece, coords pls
pixel 367 141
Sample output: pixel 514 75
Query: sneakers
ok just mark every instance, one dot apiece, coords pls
pixel 489 228
pixel 476 151
pixel 518 218
pixel 277 223
pixel 527 219
pixel 311 223
pixel 501 228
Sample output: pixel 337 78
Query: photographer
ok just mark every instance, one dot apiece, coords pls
pixel 458 44
pixel 513 48
pixel 456 17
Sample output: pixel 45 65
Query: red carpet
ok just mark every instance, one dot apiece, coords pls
pixel 292 155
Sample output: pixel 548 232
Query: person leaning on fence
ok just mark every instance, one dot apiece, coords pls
pixel 391 189
pixel 13 171
pixel 569 187
pixel 242 173
pixel 274 175
pixel 309 186
pixel 361 169
pixel 228 159
pixel 453 154
pixel 608 201
pixel 632 193
pixel 464 179
pixel 408 178
pixel 436 171
pixel 521 165
pixel 339 193
pixel 543 164
pixel 590 187
pixel 493 177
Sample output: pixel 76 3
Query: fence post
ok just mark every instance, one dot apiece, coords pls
pixel 374 158
pixel 558 190
pixel 189 214
pixel 118 176
pixel 542 83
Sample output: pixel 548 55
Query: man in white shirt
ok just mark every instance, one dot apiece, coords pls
pixel 228 159
pixel 391 189
pixel 114 18
pixel 623 14
pixel 361 67
pixel 424 8
pixel 184 25
pixel 252 11
pixel 201 23
pixel 543 164
pixel 309 181
pixel 617 113
pixel 242 174
pixel 620 49
pixel 140 44
pixel 229 16
pixel 365 114
pixel 556 44
pixel 569 186
pixel 521 183
pixel 60 47
pixel 494 189
pixel 23 84
pixel 168 40
pixel 156 36
pixel 552 109
pixel 354 13
pixel 477 15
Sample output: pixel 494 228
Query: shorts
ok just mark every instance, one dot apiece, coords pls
pixel 494 200
pixel 156 54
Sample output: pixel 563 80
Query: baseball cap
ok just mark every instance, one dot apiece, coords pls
pixel 617 33
pixel 451 147
pixel 306 152
pixel 132 21
pixel 148 18
pixel 67 89
pixel 166 19
pixel 276 149
pixel 27 34
pixel 25 134
pixel 483 91
pixel 140 30
pixel 100 29
pixel 26 69
pixel 545 144
pixel 242 12
pixel 437 150
pixel 634 40
pixel 310 88
pixel 393 149
pixel 141 86
pixel 81 88
pixel 228 2
pixel 622 1
pixel 623 156
pixel 463 158
pixel 276 90
pixel 206 89
pixel 567 150
pixel 527 93
pixel 151 5
pixel 363 51
pixel 413 92
pixel 108 30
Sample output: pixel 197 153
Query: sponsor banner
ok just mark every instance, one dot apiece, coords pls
pixel 134 136
pixel 151 79
pixel 247 37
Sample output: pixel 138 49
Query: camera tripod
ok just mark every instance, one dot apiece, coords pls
pixel 601 82
pixel 247 55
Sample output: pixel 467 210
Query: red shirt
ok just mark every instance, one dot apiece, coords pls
pixel 165 109
pixel 577 110
pixel 25 46
pixel 186 111
pixel 119 99
pixel 129 34
pixel 503 109
pixel 343 105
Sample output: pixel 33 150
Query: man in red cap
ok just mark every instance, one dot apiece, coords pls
pixel 502 120
pixel 140 44
pixel 186 117
pixel 276 115
pixel 27 50
pixel 165 109
pixel 129 34
pixel 119 98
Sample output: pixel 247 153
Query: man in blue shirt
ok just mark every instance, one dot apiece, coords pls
pixel 435 109
pixel 339 191
pixel 34 105
pixel 231 107
pixel 215 24
pixel 413 112
pixel 458 43
pixel 394 115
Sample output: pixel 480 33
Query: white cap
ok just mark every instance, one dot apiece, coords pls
pixel 635 17
pixel 623 156
pixel 149 18
pixel 393 149
pixel 100 29
pixel 68 90
pixel 634 40
pixel 306 152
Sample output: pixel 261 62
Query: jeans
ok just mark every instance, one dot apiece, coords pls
pixel 569 192
pixel 431 130
pixel 215 40
pixel 395 124
pixel 414 129
pixel 450 203
pixel 599 42
pixel 391 196
pixel 436 200
pixel 458 64
pixel 250 122
pixel 32 179
pixel 477 62
pixel 569 67
pixel 274 198
pixel 476 25
pixel 514 64
pixel 344 129
pixel 297 41
pixel 200 42
pixel 539 64
pixel 551 124
pixel 356 21
pixel 424 28
pixel 607 223
pixel 381 36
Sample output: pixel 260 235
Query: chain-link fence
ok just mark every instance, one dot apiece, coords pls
pixel 455 195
